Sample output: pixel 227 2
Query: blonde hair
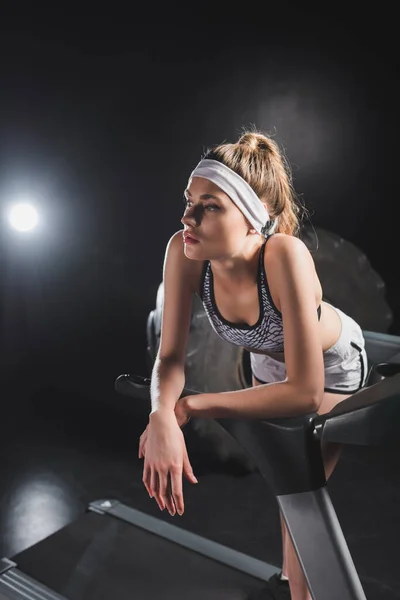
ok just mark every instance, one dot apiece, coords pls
pixel 257 158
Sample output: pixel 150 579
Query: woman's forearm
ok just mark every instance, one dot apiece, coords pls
pixel 167 383
pixel 268 401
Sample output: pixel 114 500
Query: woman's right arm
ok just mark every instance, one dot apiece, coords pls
pixel 167 383
pixel 168 375
pixel 166 455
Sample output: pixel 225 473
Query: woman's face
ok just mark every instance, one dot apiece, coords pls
pixel 217 223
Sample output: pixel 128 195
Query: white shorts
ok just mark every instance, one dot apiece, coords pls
pixel 346 363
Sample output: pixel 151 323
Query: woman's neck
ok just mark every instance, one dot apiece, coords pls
pixel 241 270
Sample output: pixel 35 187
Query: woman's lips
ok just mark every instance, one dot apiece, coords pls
pixel 187 239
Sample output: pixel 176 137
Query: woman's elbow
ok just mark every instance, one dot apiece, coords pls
pixel 316 397
pixel 311 396
pixel 316 402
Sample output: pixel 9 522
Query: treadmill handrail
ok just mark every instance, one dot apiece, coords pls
pixel 382 392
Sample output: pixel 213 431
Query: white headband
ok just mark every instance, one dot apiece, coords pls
pixel 239 192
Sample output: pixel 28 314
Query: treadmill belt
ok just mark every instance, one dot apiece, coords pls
pixel 104 556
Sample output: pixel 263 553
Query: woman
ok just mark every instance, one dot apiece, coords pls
pixel 239 251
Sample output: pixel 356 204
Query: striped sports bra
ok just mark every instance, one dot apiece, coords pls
pixel 266 334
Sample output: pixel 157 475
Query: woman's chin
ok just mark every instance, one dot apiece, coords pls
pixel 192 254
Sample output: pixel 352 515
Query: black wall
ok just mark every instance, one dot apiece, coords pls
pixel 102 119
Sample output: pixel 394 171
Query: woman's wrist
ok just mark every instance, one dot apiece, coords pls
pixel 161 413
pixel 182 411
pixel 203 405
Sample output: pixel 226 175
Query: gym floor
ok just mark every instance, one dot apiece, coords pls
pixel 60 450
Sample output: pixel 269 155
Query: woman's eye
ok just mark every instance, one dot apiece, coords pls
pixel 212 206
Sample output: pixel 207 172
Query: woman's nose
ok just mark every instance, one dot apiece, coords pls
pixel 188 218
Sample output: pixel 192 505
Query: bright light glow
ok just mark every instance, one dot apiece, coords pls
pixel 23 217
pixel 40 502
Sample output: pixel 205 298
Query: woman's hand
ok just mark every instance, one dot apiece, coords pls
pixel 182 417
pixel 181 411
pixel 142 442
pixel 166 459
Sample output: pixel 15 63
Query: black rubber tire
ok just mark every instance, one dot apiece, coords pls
pixel 348 279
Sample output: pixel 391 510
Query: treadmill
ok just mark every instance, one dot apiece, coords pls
pixel 115 552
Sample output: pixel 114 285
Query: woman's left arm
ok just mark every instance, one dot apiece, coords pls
pixel 292 268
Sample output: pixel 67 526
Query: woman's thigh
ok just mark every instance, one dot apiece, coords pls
pixel 330 400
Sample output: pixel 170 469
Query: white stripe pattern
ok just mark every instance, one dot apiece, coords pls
pixel 266 334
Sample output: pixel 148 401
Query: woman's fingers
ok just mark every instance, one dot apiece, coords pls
pixel 158 487
pixel 146 478
pixel 142 442
pixel 163 479
pixel 176 488
pixel 165 493
pixel 155 489
pixel 171 497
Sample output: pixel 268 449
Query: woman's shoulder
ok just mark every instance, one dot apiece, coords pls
pixel 281 246
pixel 191 269
pixel 285 242
pixel 286 255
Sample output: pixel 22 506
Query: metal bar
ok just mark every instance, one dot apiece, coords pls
pixel 16 585
pixel 227 556
pixel 321 546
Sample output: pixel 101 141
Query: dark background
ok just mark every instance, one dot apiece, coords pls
pixel 102 118
pixel 103 115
